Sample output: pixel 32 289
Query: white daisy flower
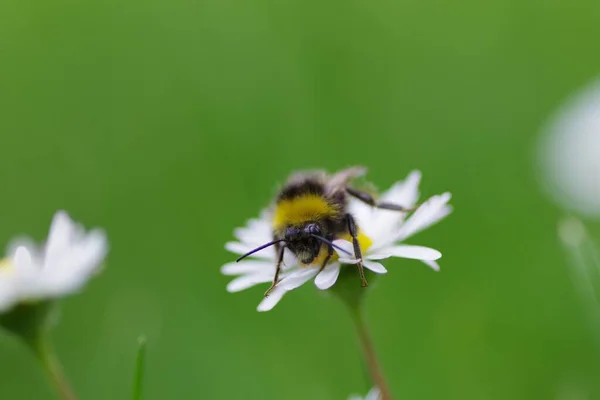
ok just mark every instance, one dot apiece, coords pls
pixel 381 232
pixel 374 394
pixel 62 266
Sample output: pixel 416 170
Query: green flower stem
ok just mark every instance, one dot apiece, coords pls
pixel 368 350
pixel 32 322
pixel 348 290
pixel 54 370
pixel 138 377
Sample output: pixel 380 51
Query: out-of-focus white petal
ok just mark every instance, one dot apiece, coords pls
pixel 76 266
pixel 24 241
pixel 298 278
pixel 60 236
pixel 374 394
pixel 7 295
pixel 68 260
pixel 432 264
pixel 374 266
pixel 414 252
pixel 569 152
pixel 328 276
pixel 271 301
pixel 22 259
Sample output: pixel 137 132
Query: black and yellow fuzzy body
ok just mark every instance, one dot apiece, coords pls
pixel 308 209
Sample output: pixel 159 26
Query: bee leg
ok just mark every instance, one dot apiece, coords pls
pixel 368 199
pixel 329 254
pixel 357 253
pixel 277 271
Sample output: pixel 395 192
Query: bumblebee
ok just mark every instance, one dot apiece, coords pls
pixel 311 211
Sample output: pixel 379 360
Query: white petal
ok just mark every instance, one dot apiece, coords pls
pixel 374 394
pixel 26 242
pixel 404 193
pixel 62 231
pixel 346 246
pixel 256 232
pixel 381 225
pixel 242 248
pixel 328 276
pixel 435 218
pixel 246 281
pixel 298 278
pixel 375 267
pixel 362 213
pixel 345 260
pixel 413 252
pixel 379 255
pixel 74 267
pixel 248 267
pixel 426 215
pixel 22 259
pixel 8 297
pixel 61 224
pixel 271 301
pixel 432 264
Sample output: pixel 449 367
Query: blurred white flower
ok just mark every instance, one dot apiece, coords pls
pixel 62 266
pixel 373 394
pixel 570 153
pixel 381 231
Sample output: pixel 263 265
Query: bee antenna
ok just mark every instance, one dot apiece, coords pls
pixel 330 243
pixel 264 246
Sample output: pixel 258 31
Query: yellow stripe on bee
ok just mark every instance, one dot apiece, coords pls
pixel 364 243
pixel 301 209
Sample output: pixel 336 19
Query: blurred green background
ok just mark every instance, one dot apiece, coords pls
pixel 171 123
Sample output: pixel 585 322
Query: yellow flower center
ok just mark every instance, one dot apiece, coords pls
pixel 363 241
pixel 6 266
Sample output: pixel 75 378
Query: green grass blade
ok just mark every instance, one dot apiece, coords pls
pixel 138 376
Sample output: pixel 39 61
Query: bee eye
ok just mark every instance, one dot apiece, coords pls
pixel 313 229
pixel 290 233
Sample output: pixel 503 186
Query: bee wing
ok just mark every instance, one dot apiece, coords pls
pixel 339 180
pixel 302 176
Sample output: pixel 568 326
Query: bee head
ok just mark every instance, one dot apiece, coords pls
pixel 304 241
